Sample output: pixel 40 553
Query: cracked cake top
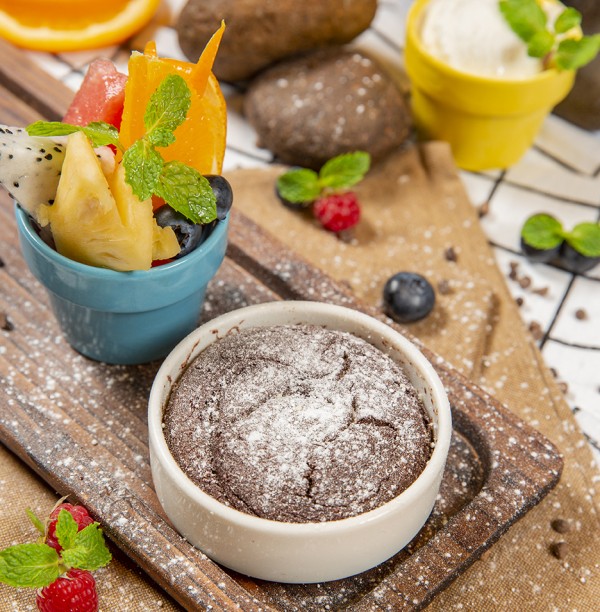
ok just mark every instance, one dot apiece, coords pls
pixel 297 424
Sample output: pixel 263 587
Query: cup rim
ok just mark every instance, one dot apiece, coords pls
pixel 176 362
pixel 412 24
pixel 26 228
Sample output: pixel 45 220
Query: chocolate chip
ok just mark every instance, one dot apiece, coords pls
pixel 563 386
pixel 444 287
pixel 5 322
pixel 559 549
pixel 581 314
pixel 536 330
pixel 524 282
pixel 450 254
pixel 543 291
pixel 554 372
pixel 520 301
pixel 560 525
pixel 1 262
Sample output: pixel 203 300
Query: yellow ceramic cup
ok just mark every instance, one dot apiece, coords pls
pixel 489 122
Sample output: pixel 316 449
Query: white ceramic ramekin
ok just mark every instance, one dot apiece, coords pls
pixel 298 552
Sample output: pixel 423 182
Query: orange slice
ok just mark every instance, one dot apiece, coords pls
pixel 200 139
pixel 72 25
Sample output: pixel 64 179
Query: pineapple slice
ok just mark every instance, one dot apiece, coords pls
pixel 97 220
pixel 164 242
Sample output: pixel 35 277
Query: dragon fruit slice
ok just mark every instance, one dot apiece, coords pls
pixel 30 166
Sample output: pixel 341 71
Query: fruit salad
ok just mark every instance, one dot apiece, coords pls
pixel 130 178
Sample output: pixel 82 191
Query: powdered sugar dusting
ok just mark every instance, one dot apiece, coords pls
pixel 298 424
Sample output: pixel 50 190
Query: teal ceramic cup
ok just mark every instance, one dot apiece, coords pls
pixel 123 317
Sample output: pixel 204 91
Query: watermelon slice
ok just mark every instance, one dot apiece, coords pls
pixel 100 97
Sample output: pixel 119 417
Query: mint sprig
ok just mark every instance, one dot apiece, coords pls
pixel 304 186
pixel 181 186
pixel 37 565
pixel 555 42
pixel 544 232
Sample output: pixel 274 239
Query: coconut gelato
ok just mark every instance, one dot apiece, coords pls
pixel 473 36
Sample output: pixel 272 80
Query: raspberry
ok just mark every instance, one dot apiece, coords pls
pixel 75 592
pixel 337 212
pixel 79 513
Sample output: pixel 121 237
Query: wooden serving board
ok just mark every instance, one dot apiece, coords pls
pixel 82 425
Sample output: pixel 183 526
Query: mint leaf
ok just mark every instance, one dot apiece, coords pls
pixel 66 528
pixel 525 17
pixel 299 186
pixel 188 192
pixel 304 186
pixel 540 44
pixel 29 565
pixel 99 132
pixel 542 231
pixel 88 550
pixel 345 170
pixel 167 107
pixel 143 166
pixel 161 137
pixel 51 128
pixel 37 523
pixel 573 54
pixel 568 19
pixel 585 239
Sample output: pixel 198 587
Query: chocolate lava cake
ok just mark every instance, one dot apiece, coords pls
pixel 297 424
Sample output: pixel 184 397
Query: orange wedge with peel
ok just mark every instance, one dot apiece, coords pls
pixel 72 25
pixel 200 139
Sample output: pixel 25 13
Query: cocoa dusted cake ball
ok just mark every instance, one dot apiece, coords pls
pixel 308 110
pixel 297 424
pixel 262 32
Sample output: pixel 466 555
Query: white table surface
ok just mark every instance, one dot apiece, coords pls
pixel 560 175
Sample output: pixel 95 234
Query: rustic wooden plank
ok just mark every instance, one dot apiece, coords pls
pixel 29 83
pixel 13 110
pixel 55 403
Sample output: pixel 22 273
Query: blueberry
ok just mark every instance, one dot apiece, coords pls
pixel 574 261
pixel 189 235
pixel 223 192
pixel 539 255
pixel 408 297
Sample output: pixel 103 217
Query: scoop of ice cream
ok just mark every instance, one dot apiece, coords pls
pixel 473 36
